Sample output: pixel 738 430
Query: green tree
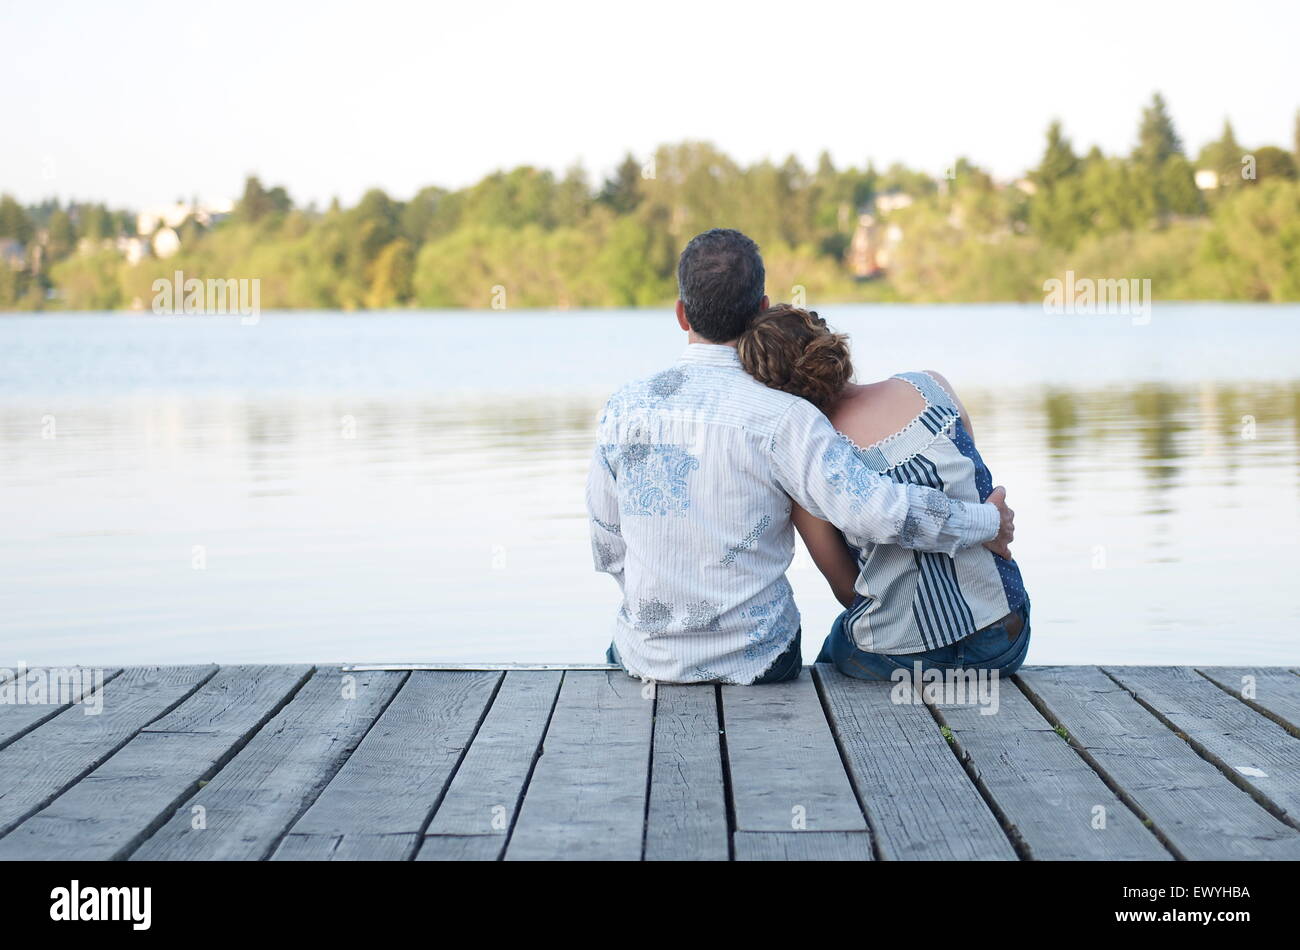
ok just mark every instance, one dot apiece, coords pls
pixel 1114 194
pixel 898 177
pixel 14 222
pixel 1223 157
pixel 390 276
pixel 94 223
pixel 1161 168
pixel 62 235
pixel 90 282
pixel 516 198
pixel 1058 212
pixel 572 198
pixel 258 202
pixel 621 192
pixel 1272 163
pixel 1058 161
pixel 432 213
pixel 1157 138
pixel 1253 249
pixel 632 266
pixel 11 288
pixel 1176 191
pixel 365 232
pixel 695 187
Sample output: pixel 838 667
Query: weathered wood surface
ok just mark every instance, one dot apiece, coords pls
pixel 19 718
pixel 43 762
pixel 921 803
pixel 1272 691
pixel 461 848
pixel 120 803
pixel 786 773
pixel 687 816
pixel 804 846
pixel 243 812
pixel 484 796
pixel 1254 752
pixel 1047 797
pixel 587 796
pixel 381 799
pixel 1195 809
pixel 299 763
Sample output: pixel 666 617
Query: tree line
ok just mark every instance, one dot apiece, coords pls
pixel 528 237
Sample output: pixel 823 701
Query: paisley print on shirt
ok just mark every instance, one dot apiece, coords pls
pixel 654 479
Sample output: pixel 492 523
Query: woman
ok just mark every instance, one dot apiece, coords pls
pixel 969 611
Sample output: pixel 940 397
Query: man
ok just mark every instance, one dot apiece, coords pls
pixel 690 488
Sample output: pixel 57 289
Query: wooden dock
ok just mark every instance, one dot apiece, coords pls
pixel 330 763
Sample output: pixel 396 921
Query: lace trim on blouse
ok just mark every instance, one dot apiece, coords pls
pixel 935 420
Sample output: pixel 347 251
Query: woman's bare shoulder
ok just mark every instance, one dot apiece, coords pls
pixel 874 411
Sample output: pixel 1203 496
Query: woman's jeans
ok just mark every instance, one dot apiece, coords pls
pixel 994 648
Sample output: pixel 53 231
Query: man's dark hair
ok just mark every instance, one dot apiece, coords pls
pixel 720 280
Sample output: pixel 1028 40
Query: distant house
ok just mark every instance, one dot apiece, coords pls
pixel 175 214
pixel 872 246
pixel 166 243
pixel 134 249
pixel 871 249
pixel 892 201
pixel 862 249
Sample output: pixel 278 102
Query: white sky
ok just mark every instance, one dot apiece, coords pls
pixel 140 103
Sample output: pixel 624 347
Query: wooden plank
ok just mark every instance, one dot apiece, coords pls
pixel 1194 809
pixel 35 768
pixel 587 797
pixel 1273 691
pixel 922 804
pixel 687 816
pixel 355 846
pixel 382 797
pixel 803 846
pixel 107 813
pixel 1042 791
pixel 20 713
pixel 234 700
pixel 242 813
pixel 786 772
pixel 1254 752
pixel 485 793
pixel 461 848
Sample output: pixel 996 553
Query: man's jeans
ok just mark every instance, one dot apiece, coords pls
pixel 993 648
pixel 784 667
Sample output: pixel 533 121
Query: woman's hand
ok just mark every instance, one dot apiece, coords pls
pixel 1007 531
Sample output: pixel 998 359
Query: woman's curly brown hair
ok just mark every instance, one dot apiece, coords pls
pixel 794 351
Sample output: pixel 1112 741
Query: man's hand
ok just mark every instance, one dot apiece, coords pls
pixel 1007 532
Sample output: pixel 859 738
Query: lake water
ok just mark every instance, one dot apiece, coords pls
pixel 409 486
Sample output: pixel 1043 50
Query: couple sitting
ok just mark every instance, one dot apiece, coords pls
pixel 701 473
